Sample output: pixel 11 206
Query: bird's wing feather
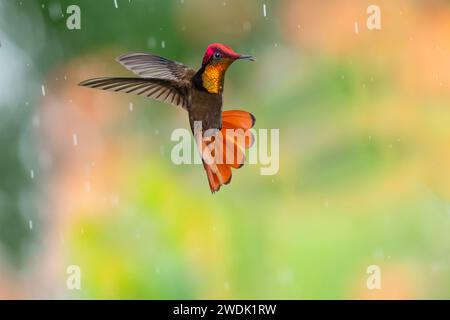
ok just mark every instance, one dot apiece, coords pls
pixel 148 65
pixel 160 89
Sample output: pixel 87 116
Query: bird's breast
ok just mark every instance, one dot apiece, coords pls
pixel 207 108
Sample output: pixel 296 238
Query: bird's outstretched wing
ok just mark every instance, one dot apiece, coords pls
pixel 163 90
pixel 148 65
pixel 160 78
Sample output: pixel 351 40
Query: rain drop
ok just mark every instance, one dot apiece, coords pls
pixel 75 139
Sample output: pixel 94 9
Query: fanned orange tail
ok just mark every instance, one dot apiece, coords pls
pixel 227 148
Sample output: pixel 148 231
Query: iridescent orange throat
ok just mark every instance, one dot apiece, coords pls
pixel 213 76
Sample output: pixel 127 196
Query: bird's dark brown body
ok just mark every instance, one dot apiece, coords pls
pixel 198 92
pixel 205 107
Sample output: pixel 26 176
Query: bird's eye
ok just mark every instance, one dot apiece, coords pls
pixel 217 55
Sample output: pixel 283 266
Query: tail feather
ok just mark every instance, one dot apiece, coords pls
pixel 229 152
pixel 232 148
pixel 237 119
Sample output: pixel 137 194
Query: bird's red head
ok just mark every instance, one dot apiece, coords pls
pixel 216 61
pixel 218 51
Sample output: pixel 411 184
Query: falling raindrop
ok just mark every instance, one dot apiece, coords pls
pixel 75 139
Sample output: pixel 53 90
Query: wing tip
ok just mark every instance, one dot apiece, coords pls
pixel 86 83
pixel 90 82
pixel 129 55
pixel 123 56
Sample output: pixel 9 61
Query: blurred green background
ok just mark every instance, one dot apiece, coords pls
pixel 364 177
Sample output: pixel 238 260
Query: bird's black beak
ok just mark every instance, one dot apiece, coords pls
pixel 246 57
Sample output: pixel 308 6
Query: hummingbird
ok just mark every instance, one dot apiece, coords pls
pixel 221 136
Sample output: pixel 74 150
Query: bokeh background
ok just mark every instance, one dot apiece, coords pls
pixel 364 178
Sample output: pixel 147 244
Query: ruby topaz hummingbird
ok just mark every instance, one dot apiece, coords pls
pixel 200 94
